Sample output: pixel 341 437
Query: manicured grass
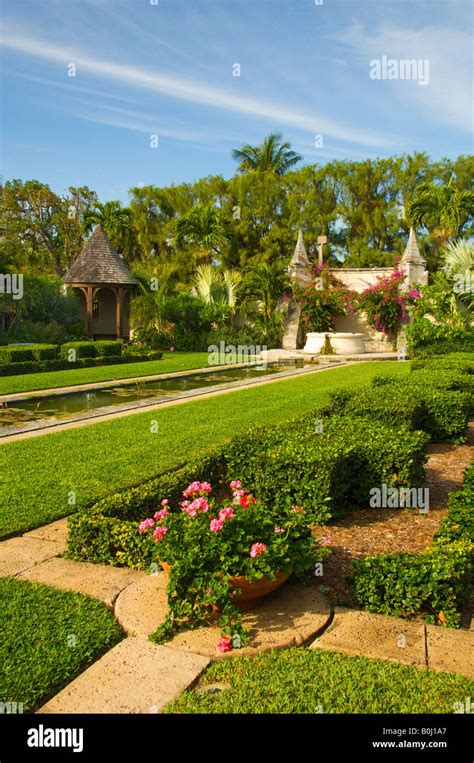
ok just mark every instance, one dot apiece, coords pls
pixel 312 681
pixel 38 476
pixel 171 361
pixel 48 637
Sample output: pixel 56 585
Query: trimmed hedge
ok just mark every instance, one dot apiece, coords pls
pixel 337 468
pixel 92 349
pixel 31 367
pixel 108 532
pixel 327 471
pixel 443 413
pixel 436 582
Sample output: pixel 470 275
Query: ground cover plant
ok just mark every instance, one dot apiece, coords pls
pixel 48 637
pixel 38 484
pixel 301 680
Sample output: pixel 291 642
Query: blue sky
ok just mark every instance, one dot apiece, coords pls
pixel 167 69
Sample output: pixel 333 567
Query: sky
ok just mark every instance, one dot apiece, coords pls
pixel 119 93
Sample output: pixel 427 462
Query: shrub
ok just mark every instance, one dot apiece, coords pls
pixel 442 413
pixel 106 348
pixel 82 349
pixel 426 339
pixel 435 582
pixel 459 522
pixel 463 362
pixel 45 351
pixel 16 354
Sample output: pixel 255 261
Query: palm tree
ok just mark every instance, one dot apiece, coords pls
pixel 205 228
pixel 115 220
pixel 445 209
pixel 155 285
pixel 265 282
pixel 272 156
pixel 216 287
pixel 458 262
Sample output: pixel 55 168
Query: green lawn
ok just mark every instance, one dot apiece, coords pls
pixel 171 361
pixel 38 475
pixel 48 638
pixel 300 680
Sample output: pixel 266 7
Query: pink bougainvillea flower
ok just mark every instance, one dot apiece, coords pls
pixel 236 484
pixel 226 513
pixel 161 514
pixel 159 533
pixel 143 527
pixel 216 525
pixel 224 644
pixel 325 540
pixel 414 293
pixel 258 549
pixel 208 591
pixel 278 530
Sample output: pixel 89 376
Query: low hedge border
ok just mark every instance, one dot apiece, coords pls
pixel 40 366
pixel 436 582
pixel 339 466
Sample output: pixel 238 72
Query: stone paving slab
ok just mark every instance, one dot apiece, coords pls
pixel 379 636
pixel 450 650
pixel 19 554
pixel 136 676
pixel 290 616
pixel 98 580
pixel 54 531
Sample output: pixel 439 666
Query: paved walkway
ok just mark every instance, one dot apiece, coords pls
pixel 137 676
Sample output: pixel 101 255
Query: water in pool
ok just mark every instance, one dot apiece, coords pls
pixel 63 406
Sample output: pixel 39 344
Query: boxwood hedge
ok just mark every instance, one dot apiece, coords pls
pixel 436 582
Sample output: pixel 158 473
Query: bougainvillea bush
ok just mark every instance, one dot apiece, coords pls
pixel 205 542
pixel 383 303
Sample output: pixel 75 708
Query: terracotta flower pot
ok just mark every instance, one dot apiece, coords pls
pixel 252 592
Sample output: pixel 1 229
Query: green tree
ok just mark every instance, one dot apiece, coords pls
pixel 117 221
pixel 272 156
pixel 443 209
pixel 205 229
pixel 47 227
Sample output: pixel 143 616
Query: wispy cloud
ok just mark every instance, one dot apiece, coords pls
pixel 447 97
pixel 192 91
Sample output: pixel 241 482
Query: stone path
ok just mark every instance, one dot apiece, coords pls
pixel 137 676
pixel 390 638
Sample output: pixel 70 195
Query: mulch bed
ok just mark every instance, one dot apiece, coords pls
pixel 371 532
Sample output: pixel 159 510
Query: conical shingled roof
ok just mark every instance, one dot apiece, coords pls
pixel 98 263
pixel 412 253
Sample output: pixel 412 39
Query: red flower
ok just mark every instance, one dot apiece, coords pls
pixel 246 501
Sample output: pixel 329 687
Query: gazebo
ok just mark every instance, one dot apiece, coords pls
pixel 99 273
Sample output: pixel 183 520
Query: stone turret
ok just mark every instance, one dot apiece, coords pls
pixel 413 264
pixel 299 271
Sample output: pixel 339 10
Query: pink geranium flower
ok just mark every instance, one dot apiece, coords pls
pixel 258 549
pixel 236 484
pixel 143 527
pixel 164 502
pixel 216 525
pixel 197 487
pixel 161 514
pixel 278 530
pixel 224 644
pixel 159 533
pixel 226 513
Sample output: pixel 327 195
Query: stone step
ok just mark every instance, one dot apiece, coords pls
pixel 98 580
pixel 135 676
pixel 19 554
pixel 292 615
